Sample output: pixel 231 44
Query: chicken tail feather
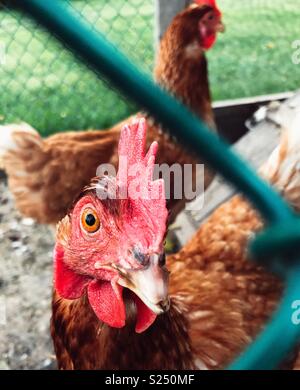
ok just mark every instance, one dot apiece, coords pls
pixel 15 138
pixel 282 169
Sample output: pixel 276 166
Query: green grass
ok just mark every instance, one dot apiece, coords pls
pixel 42 84
pixel 254 57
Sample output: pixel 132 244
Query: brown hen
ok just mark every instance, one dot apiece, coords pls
pixel 219 300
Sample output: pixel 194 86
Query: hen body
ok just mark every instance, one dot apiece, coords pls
pixel 219 300
pixel 45 175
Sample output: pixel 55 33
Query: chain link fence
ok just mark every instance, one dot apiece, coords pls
pixel 42 84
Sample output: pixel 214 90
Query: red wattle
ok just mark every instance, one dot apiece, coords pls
pixel 209 41
pixel 107 303
pixel 145 316
pixel 108 307
pixel 68 284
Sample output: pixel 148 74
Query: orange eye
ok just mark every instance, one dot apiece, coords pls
pixel 90 220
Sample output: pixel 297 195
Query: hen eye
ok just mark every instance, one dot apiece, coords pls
pixel 90 221
pixel 162 259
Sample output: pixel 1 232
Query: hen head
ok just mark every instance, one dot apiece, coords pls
pixel 210 24
pixel 113 238
pixel 203 19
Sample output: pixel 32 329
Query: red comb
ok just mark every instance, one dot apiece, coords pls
pixel 211 3
pixel 136 167
pixel 206 2
pixel 135 180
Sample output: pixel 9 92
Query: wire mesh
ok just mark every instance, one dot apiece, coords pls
pixel 47 88
pixel 42 84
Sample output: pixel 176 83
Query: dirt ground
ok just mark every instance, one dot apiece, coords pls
pixel 25 289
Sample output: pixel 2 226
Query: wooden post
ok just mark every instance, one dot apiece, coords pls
pixel 165 10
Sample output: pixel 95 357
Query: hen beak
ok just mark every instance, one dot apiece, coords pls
pixel 220 27
pixel 150 284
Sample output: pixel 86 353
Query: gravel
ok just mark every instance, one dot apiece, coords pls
pixel 25 289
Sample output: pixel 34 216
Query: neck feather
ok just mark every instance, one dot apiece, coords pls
pixel 165 345
pixel 184 73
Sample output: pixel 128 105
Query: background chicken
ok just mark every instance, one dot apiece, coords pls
pixel 45 175
pixel 219 300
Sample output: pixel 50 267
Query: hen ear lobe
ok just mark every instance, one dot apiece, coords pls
pixel 208 39
pixel 63 230
pixel 68 284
